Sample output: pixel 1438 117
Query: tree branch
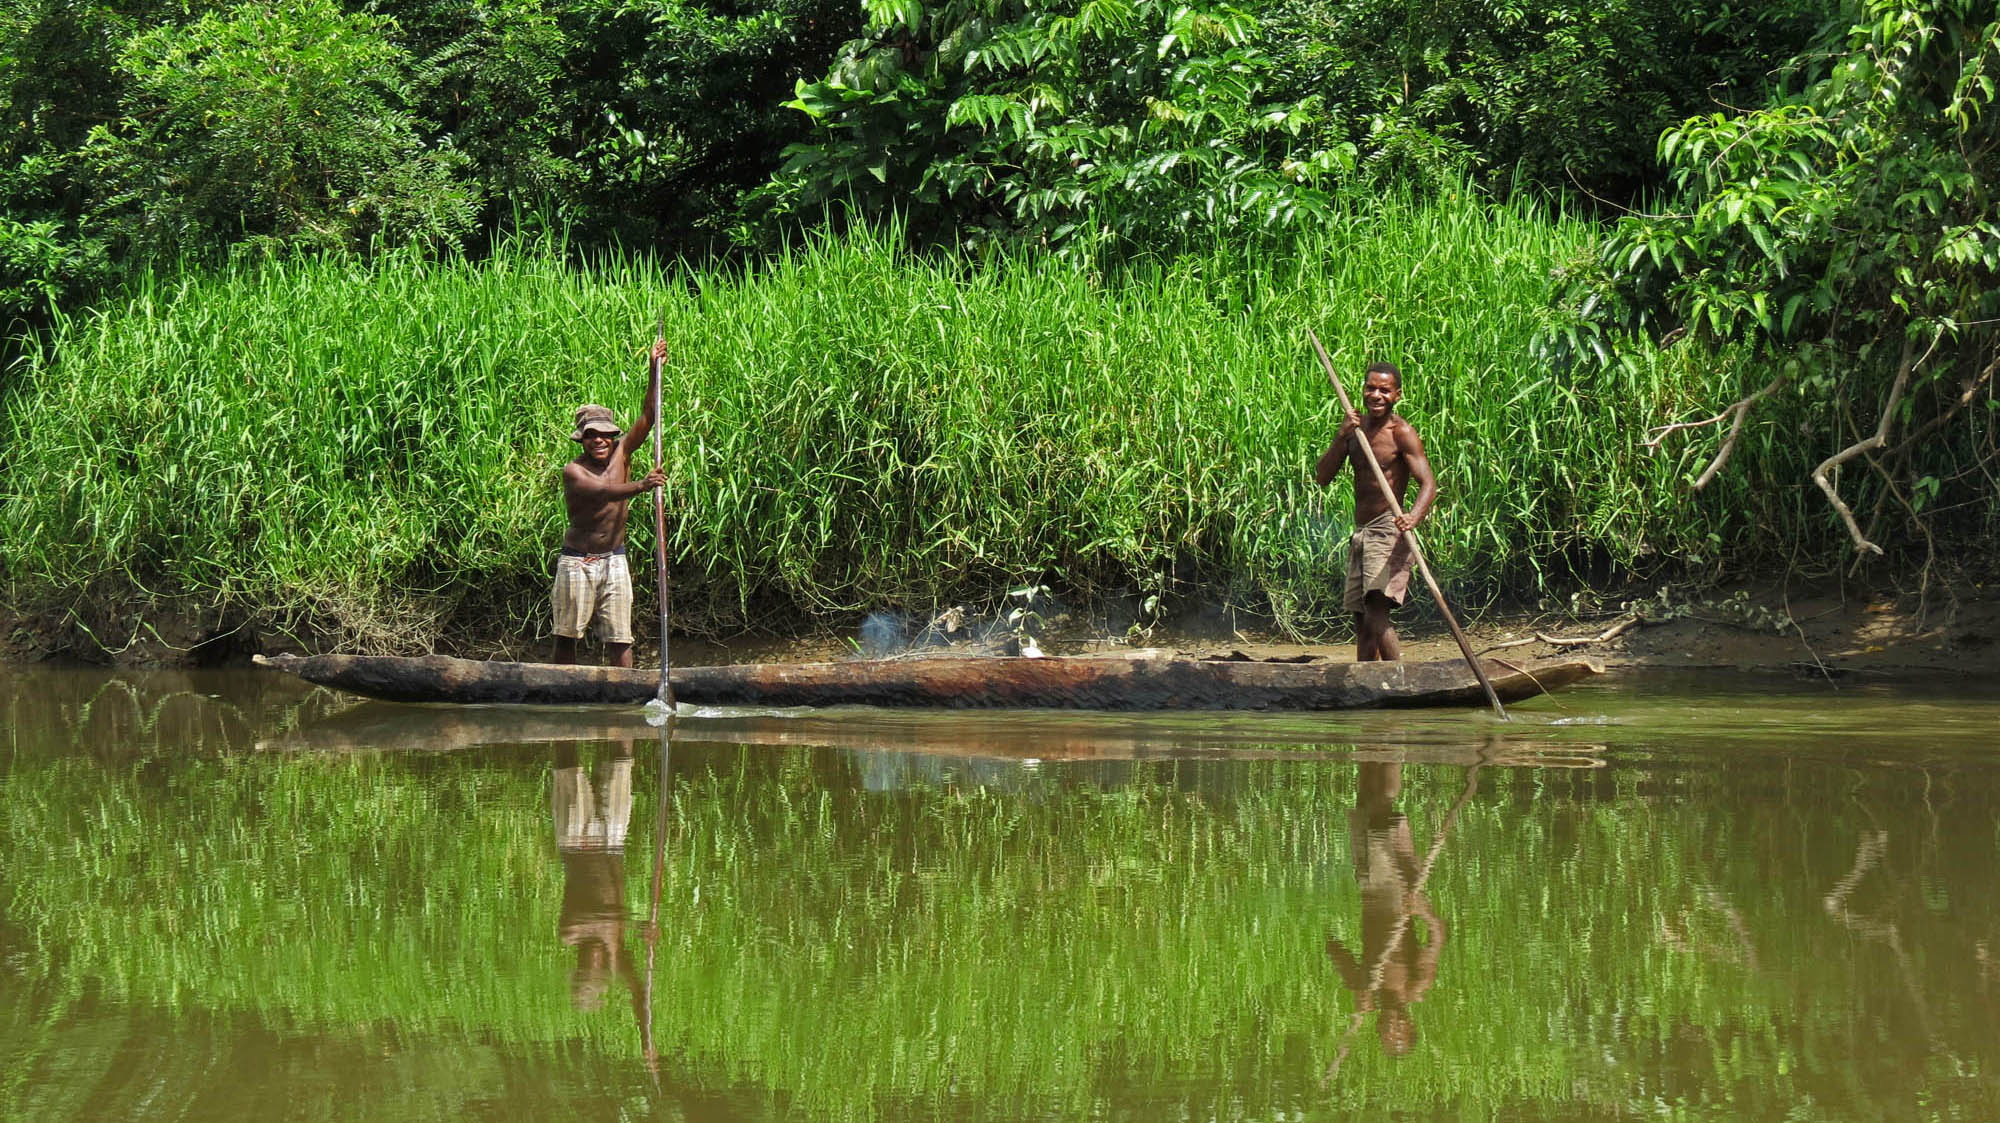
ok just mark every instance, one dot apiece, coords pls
pixel 1965 399
pixel 1738 411
pixel 1869 444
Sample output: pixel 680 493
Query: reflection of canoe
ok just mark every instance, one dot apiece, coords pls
pixel 1135 681
pixel 1044 736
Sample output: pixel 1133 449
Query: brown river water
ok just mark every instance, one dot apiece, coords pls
pixel 230 895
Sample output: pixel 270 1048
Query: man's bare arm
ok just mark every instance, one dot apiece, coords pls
pixel 583 485
pixel 1350 968
pixel 1337 453
pixel 1412 448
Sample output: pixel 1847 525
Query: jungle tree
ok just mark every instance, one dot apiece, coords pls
pixel 1849 227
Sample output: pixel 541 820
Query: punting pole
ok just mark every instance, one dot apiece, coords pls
pixel 666 691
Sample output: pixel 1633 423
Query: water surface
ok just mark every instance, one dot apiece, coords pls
pixel 231 895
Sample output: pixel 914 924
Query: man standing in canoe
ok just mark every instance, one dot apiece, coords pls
pixel 593 583
pixel 1378 555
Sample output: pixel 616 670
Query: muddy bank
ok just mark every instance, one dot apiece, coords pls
pixel 1826 637
pixel 1952 632
pixel 1880 636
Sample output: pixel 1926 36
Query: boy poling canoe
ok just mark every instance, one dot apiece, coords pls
pixel 1406 530
pixel 1379 554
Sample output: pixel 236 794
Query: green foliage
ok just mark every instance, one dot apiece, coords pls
pixel 492 73
pixel 699 89
pixel 294 127
pixel 645 122
pixel 1546 93
pixel 1038 117
pixel 39 266
pixel 1046 119
pixel 57 79
pixel 280 125
pixel 1852 224
pixel 374 446
pixel 631 122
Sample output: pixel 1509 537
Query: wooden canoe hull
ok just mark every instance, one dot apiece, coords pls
pixel 1137 681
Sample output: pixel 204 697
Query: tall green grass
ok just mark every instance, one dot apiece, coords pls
pixel 374 447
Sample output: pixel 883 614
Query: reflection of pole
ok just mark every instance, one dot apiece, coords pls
pixel 659 871
pixel 1381 964
pixel 1874 846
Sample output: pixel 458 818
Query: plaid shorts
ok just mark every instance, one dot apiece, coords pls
pixel 596 588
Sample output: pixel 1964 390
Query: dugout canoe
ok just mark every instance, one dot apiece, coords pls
pixel 1123 681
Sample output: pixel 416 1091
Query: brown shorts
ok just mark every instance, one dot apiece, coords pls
pixel 1378 561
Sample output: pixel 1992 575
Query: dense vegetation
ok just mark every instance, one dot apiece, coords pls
pixel 1851 227
pixel 1808 283
pixel 147 127
pixel 850 430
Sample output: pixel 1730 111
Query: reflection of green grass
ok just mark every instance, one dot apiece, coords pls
pixel 302 885
pixel 977 952
pixel 374 446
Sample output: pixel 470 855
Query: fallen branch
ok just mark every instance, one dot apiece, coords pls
pixel 1611 633
pixel 1930 544
pixel 1963 400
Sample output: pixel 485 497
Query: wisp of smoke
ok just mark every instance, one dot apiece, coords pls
pixel 882 635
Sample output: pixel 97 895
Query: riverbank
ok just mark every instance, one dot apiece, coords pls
pixel 1858 636
pixel 346 455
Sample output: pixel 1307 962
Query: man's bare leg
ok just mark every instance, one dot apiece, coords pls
pixel 1377 635
pixel 618 654
pixel 565 649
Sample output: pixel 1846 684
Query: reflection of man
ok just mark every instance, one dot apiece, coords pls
pixel 1395 968
pixel 591 814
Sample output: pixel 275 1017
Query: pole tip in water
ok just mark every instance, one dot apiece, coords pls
pixel 657 712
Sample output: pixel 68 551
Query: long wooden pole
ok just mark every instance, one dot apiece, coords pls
pixel 1416 547
pixel 666 691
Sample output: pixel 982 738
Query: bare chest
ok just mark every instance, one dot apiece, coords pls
pixel 1388 453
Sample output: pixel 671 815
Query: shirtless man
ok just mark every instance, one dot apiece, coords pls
pixel 1378 555
pixel 593 583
